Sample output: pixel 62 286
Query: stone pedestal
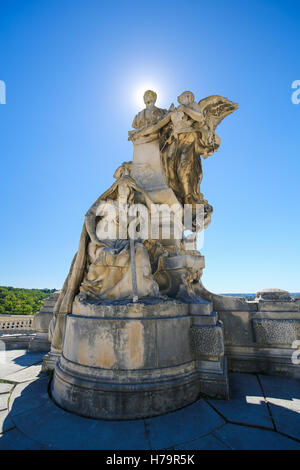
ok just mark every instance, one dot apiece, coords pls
pixel 146 171
pixel 137 360
pixel 207 341
pixel 57 334
pixel 41 322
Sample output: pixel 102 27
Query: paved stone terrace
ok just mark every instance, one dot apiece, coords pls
pixel 263 413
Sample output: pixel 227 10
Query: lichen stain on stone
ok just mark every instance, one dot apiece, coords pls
pixel 83 352
pixel 135 345
pixel 104 348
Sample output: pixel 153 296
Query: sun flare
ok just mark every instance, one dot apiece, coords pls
pixel 140 90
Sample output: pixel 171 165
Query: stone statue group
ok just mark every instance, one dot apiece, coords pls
pixel 166 169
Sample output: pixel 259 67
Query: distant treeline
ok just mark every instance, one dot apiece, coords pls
pixel 15 301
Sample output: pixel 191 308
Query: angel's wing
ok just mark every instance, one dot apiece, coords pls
pixel 215 108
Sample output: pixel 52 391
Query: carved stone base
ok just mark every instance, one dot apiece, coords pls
pixel 40 342
pixel 15 341
pixel 136 360
pixel 175 274
pixel 269 361
pixel 49 361
pixel 213 378
pixel 207 340
pixel 119 397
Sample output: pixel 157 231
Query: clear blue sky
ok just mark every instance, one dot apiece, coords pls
pixel 73 68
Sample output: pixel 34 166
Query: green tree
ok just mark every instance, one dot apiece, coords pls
pixel 20 301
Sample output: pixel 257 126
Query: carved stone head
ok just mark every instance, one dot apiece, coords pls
pixel 124 191
pixel 150 98
pixel 186 98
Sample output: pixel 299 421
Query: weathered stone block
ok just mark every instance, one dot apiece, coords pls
pixel 276 331
pixel 237 327
pixel 41 324
pixel 203 307
pixel 278 306
pixel 205 320
pixel 262 359
pixel 273 295
pixel 232 304
pixel 136 360
pixel 207 341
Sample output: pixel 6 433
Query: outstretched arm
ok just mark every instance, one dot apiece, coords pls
pixel 90 226
pixel 150 129
pixel 196 115
pixel 90 221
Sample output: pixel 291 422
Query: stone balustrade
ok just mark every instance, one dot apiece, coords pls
pixel 28 331
pixel 16 323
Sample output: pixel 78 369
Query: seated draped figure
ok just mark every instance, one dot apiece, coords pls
pixel 108 272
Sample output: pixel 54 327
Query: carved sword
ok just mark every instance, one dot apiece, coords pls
pixel 135 297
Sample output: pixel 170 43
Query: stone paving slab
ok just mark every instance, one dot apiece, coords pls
pixel 58 429
pixel 26 374
pixel 14 353
pixel 183 425
pixel 28 396
pixel 209 442
pixel 283 397
pixel 3 401
pixel 6 388
pixel 16 360
pixel 6 422
pixel 122 435
pixel 247 404
pixel 247 438
pixel 35 422
pixel 23 357
pixel 15 440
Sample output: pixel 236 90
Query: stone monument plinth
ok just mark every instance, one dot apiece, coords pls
pixel 138 359
pixel 131 334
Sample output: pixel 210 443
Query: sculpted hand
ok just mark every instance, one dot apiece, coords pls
pixel 81 297
pixel 95 240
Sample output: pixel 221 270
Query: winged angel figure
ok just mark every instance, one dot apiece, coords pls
pixel 186 133
pixel 189 135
